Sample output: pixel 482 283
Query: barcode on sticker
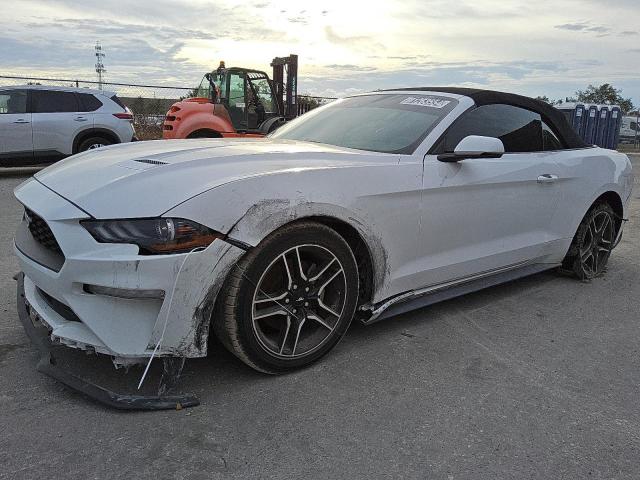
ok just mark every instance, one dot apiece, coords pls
pixel 432 102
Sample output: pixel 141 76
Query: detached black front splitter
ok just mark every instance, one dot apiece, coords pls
pixel 39 336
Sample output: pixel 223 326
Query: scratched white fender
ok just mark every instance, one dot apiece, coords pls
pixel 426 222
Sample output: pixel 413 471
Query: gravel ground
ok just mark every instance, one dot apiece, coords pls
pixel 536 379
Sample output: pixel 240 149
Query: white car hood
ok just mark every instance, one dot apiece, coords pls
pixel 146 179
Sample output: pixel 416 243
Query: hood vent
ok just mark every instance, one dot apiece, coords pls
pixel 151 162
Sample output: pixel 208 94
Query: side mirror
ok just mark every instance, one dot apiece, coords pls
pixel 474 146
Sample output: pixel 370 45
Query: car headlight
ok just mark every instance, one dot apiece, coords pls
pixel 153 235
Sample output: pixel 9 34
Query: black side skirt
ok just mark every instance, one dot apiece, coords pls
pixel 47 364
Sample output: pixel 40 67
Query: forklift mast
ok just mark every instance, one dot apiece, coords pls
pixel 286 92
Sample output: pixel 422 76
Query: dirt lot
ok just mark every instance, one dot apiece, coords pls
pixel 537 379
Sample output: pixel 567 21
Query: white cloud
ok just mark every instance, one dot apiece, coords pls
pixel 547 47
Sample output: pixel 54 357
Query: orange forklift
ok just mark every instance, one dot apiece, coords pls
pixel 237 102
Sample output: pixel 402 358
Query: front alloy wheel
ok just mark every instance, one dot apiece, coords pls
pixel 289 300
pixel 299 300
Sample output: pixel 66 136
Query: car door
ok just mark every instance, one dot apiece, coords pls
pixel 57 118
pixel 237 100
pixel 16 141
pixel 485 214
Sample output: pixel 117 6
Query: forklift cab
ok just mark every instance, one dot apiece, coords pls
pixel 247 95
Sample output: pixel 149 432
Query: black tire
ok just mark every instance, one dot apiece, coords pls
pixel 592 244
pixel 93 142
pixel 234 321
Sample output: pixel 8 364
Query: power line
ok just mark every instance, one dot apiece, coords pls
pixel 68 80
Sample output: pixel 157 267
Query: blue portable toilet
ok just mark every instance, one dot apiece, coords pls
pixel 579 116
pixel 575 115
pixel 615 122
pixel 567 111
pixel 604 115
pixel 590 124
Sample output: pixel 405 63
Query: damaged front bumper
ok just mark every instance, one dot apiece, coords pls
pixel 107 298
pixel 39 336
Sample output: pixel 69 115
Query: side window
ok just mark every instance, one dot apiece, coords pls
pixel 550 140
pixel 263 90
pixel 13 101
pixel 520 130
pixel 52 101
pixel 118 101
pixel 236 91
pixel 88 102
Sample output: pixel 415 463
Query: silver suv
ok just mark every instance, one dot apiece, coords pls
pixel 40 124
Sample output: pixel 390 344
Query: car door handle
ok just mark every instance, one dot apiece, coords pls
pixel 22 121
pixel 547 178
pixel 81 119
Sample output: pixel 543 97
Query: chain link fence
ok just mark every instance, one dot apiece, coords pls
pixel 149 103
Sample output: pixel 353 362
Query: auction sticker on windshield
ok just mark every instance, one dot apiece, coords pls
pixel 433 102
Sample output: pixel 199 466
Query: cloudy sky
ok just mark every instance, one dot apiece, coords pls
pixel 538 47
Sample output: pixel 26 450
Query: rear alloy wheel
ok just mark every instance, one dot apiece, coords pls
pixel 593 242
pixel 290 300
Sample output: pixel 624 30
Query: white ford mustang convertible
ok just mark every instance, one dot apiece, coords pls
pixel 362 209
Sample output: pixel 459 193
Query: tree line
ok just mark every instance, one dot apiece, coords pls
pixel 605 94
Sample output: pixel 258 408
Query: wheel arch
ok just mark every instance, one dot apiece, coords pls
pixel 205 133
pixel 195 118
pixel 262 220
pixel 359 248
pixel 614 200
pixel 91 132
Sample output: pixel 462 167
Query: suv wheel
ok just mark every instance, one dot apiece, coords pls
pixel 92 143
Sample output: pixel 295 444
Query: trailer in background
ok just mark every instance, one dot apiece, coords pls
pixel 630 129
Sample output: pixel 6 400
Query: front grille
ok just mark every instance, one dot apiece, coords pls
pixel 41 231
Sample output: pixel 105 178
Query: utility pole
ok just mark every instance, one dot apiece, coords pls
pixel 99 65
pixel 636 142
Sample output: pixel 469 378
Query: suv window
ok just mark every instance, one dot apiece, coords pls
pixel 520 130
pixel 550 140
pixel 88 102
pixel 13 101
pixel 118 101
pixel 44 101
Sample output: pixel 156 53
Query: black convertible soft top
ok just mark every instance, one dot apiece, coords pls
pixel 555 118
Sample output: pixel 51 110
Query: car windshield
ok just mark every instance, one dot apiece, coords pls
pixel 388 123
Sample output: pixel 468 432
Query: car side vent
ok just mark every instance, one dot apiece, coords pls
pixel 151 162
